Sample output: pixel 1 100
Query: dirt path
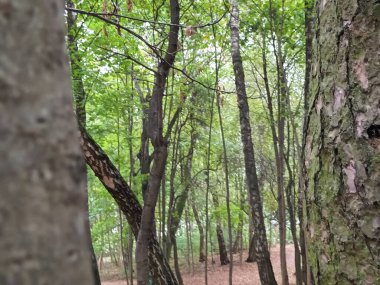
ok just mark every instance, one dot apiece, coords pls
pixel 243 273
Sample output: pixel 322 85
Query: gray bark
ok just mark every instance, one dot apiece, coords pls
pixel 43 238
pixel 79 95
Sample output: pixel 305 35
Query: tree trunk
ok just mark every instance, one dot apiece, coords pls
pixel 128 203
pixel 239 231
pixel 252 250
pixel 262 253
pixel 309 5
pixel 227 183
pixel 173 171
pixel 292 220
pixel 278 138
pixel 342 145
pixel 79 95
pixel 223 256
pixel 202 256
pixel 42 208
pixel 154 132
pixel 176 261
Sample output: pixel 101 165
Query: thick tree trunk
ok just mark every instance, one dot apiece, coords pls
pixel 128 203
pixel 262 253
pixel 43 237
pixel 79 95
pixel 342 145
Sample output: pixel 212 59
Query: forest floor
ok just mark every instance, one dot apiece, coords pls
pixel 243 273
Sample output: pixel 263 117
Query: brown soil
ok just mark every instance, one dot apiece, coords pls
pixel 243 273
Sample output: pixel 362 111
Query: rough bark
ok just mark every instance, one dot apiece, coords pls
pixel 309 4
pixel 262 253
pixel 342 145
pixel 127 201
pixel 42 207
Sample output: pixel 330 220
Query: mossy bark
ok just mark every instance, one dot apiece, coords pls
pixel 342 145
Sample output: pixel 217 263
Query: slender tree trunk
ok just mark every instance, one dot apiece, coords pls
pixel 262 253
pixel 281 102
pixel 131 174
pixel 143 155
pixel 222 245
pixel 154 132
pixel 42 207
pixel 226 174
pixel 223 256
pixel 176 261
pixel 207 224
pixel 202 256
pixel 189 230
pixel 236 244
pixel 173 172
pixel 252 250
pixel 342 135
pixel 292 220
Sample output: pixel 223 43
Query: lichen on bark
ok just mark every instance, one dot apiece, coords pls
pixel 342 159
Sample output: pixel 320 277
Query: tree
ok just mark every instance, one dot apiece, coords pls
pixel 126 199
pixel 341 142
pixel 79 96
pixel 160 145
pixel 42 173
pixel 262 253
